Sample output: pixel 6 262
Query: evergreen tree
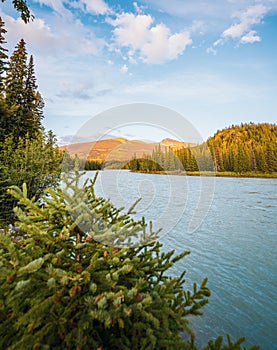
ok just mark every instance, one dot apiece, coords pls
pixel 271 157
pixel 68 281
pixel 22 96
pixel 33 101
pixel 4 118
pixel 15 91
pixel 3 57
pixel 22 7
pixel 36 162
pixel 4 113
pixel 243 162
pixel 245 147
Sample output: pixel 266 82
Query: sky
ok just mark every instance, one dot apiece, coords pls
pixel 212 62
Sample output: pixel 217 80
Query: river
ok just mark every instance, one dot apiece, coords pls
pixel 230 227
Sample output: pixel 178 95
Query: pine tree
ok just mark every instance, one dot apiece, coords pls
pixel 68 281
pixel 15 91
pixel 22 96
pixel 4 113
pixel 3 57
pixel 4 118
pixel 245 148
pixel 33 101
pixel 22 7
pixel 36 162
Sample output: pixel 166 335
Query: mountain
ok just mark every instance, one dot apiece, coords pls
pixel 118 149
pixel 174 144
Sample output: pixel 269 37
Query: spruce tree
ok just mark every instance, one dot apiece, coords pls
pixel 4 118
pixel 33 101
pixel 4 114
pixel 3 57
pixel 22 97
pixel 36 162
pixel 22 7
pixel 15 91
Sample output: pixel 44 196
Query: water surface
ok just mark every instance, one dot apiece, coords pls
pixel 230 227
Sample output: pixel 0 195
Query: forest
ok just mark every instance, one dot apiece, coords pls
pixel 246 148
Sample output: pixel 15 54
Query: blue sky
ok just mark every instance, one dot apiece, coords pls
pixel 214 62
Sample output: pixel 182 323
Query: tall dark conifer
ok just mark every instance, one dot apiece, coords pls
pixel 3 56
pixel 22 96
pixel 4 115
pixel 33 101
pixel 15 90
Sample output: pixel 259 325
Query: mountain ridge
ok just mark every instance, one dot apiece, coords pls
pixel 119 148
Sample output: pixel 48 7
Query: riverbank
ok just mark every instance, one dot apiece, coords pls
pixel 212 173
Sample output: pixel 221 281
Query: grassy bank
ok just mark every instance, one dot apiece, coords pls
pixel 218 174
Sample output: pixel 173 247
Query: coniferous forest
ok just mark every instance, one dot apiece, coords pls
pixel 242 149
pixel 69 276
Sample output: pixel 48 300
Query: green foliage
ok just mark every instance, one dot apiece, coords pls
pixel 36 162
pixel 27 153
pixel 66 287
pixel 33 100
pixel 4 118
pixel 70 163
pixel 160 160
pixel 239 149
pixel 22 7
pixel 92 165
pixel 21 95
pixel 3 56
pixel 247 147
pixel 218 344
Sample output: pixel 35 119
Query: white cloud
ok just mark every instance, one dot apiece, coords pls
pixel 203 9
pixel 250 38
pixel 35 32
pixel 56 5
pixel 98 7
pixel 211 50
pixel 241 30
pixel 124 69
pixel 131 30
pixel 73 41
pixel 153 43
pixel 138 8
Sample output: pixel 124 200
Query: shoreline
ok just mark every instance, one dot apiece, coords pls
pixel 212 174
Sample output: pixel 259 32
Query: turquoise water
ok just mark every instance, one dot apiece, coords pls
pixel 230 227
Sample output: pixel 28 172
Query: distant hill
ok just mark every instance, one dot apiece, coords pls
pixel 246 147
pixel 118 149
pixel 174 144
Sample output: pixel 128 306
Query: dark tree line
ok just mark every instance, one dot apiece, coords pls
pixel 161 159
pixel 70 163
pixel 239 149
pixel 167 159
